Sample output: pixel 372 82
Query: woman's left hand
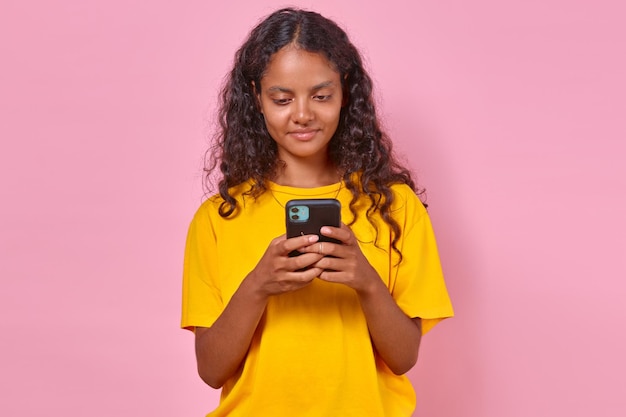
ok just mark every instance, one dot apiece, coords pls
pixel 344 263
pixel 395 335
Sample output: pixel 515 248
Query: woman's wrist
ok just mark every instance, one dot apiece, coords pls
pixel 374 286
pixel 251 291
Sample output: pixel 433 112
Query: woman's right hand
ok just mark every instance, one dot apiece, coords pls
pixel 221 348
pixel 277 272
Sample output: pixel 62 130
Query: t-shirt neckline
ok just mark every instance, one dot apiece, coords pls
pixel 310 192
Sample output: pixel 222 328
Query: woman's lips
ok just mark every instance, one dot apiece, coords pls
pixel 303 135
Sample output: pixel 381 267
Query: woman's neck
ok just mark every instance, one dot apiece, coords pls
pixel 306 175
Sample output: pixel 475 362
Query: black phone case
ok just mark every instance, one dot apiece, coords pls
pixel 322 212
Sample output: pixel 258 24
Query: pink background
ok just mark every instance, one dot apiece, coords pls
pixel 512 113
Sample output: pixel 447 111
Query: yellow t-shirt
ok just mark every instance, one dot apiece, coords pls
pixel 312 355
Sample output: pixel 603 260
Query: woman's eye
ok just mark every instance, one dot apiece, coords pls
pixel 281 101
pixel 322 98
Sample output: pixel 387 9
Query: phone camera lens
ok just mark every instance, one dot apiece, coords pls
pixel 295 216
pixel 294 209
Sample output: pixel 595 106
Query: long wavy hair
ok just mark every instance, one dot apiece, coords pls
pixel 244 150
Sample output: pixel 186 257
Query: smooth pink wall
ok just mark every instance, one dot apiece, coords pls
pixel 512 113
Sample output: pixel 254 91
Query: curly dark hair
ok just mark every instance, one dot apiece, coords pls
pixel 244 150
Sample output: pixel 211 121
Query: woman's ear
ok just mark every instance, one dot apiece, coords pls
pixel 257 96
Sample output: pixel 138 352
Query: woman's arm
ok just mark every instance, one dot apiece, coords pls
pixel 395 336
pixel 221 348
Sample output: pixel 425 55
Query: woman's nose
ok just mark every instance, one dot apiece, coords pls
pixel 302 112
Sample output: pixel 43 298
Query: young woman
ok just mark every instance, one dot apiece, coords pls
pixel 330 332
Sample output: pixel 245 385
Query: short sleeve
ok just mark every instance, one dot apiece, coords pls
pixel 202 302
pixel 419 287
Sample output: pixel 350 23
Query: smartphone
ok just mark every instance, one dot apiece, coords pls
pixel 306 217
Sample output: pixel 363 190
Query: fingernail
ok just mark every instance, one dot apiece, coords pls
pixel 313 238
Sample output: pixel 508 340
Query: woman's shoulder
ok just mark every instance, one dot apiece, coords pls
pixel 405 198
pixel 212 204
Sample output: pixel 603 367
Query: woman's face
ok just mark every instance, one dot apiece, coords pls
pixel 300 97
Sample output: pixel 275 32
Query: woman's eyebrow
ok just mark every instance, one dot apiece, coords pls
pixel 323 85
pixel 277 88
